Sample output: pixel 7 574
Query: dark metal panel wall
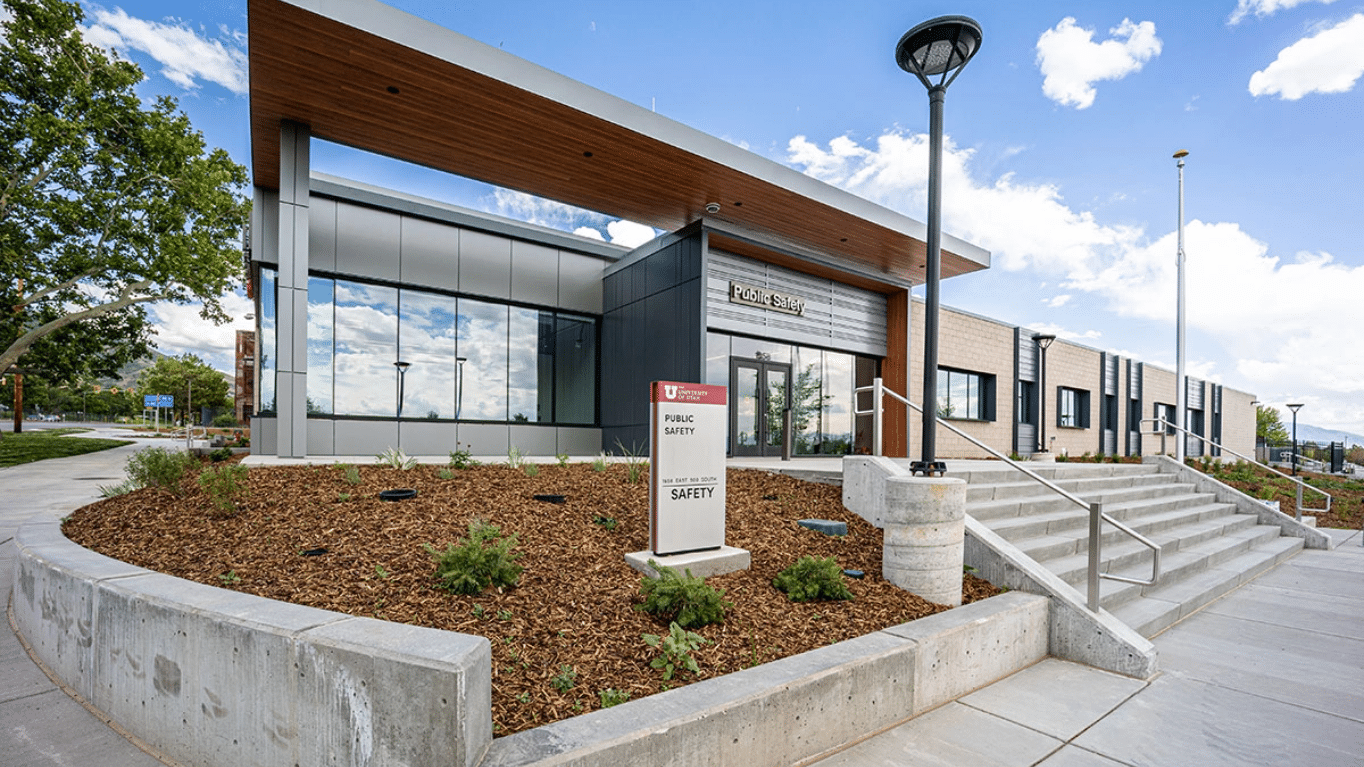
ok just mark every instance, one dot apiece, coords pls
pixel 651 331
pixel 1025 370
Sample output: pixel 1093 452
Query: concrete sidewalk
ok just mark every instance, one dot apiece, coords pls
pixel 1272 674
pixel 39 723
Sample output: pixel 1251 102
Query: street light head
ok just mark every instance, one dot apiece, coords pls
pixel 403 366
pixel 938 48
pixel 1043 340
pixel 1294 408
pixel 1181 154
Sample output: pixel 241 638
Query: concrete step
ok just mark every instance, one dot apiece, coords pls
pixel 1003 473
pixel 1163 497
pixel 1154 515
pixel 1027 487
pixel 1173 530
pixel 1181 552
pixel 1159 607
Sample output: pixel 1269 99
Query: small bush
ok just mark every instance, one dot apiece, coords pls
pixel 675 650
pixel 599 463
pixel 224 421
pixel 220 455
pixel 111 491
pixel 531 470
pixel 515 457
pixel 460 459
pixel 612 697
pixel 565 679
pixel 224 484
pixel 396 459
pixel 158 467
pixel 447 474
pixel 562 458
pixel 484 559
pixel 811 578
pixel 351 473
pixel 685 599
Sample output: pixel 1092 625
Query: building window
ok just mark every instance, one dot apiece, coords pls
pixel 1134 416
pixel 1166 413
pixel 1072 408
pixel 267 341
pixel 965 395
pixel 1024 407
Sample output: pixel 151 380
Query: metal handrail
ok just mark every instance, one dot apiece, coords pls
pixel 1162 425
pixel 1095 508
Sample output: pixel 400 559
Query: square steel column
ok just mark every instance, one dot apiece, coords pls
pixel 291 306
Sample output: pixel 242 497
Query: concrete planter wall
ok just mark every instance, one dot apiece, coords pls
pixel 217 678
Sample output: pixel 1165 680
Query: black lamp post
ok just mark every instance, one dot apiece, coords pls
pixel 935 52
pixel 1043 340
pixel 402 375
pixel 1295 408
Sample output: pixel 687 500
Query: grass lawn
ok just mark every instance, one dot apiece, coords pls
pixel 50 443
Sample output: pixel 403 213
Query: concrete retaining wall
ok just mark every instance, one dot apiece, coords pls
pixel 209 676
pixel 799 707
pixel 214 677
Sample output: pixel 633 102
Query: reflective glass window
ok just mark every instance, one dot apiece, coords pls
pixel 321 338
pixel 836 432
pixel 266 386
pixel 807 399
pixel 366 381
pixel 575 370
pixel 426 341
pixel 530 368
pixel 481 394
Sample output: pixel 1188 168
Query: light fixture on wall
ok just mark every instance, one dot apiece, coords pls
pixel 935 52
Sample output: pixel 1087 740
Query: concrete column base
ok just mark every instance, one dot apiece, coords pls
pixel 702 564
pixel 924 536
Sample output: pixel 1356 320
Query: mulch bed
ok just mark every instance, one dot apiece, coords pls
pixel 574 605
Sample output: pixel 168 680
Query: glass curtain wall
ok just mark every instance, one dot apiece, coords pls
pixel 466 359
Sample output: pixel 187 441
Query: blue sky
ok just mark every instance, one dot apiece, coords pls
pixel 1060 136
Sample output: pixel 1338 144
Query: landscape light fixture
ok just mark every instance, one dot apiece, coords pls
pixel 1295 408
pixel 1043 340
pixel 1181 384
pixel 402 375
pixel 935 52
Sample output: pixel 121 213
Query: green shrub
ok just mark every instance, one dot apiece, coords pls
pixel 562 458
pixel 351 473
pixel 159 467
pixel 565 679
pixel 224 484
pixel 484 559
pixel 224 421
pixel 515 457
pixel 684 599
pixel 531 470
pixel 112 491
pixel 612 697
pixel 460 459
pixel 220 455
pixel 396 459
pixel 810 579
pixel 599 463
pixel 675 650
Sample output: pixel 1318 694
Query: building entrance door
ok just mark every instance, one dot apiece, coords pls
pixel 759 391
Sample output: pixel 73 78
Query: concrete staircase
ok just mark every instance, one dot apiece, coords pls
pixel 1207 547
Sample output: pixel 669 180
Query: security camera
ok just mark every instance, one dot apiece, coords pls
pixel 712 207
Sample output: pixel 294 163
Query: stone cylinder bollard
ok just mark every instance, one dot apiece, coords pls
pixel 924 537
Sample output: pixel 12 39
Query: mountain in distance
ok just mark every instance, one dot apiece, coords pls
pixel 1309 433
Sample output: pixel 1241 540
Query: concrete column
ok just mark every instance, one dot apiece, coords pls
pixel 925 528
pixel 291 323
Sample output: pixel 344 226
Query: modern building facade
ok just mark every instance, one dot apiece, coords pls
pixel 385 320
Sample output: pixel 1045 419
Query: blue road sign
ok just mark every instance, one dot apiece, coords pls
pixel 158 400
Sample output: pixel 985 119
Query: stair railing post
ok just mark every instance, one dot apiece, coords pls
pixel 1298 515
pixel 1095 518
pixel 876 407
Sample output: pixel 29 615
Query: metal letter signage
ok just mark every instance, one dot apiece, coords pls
pixel 763 298
pixel 687 425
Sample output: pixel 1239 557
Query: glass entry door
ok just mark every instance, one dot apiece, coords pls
pixel 759 391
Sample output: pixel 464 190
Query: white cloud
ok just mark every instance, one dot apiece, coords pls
pixel 1064 333
pixel 589 232
pixel 180 329
pixel 1071 62
pixel 185 56
pixel 1330 61
pixel 1264 312
pixel 557 215
pixel 629 234
pixel 1056 302
pixel 1262 8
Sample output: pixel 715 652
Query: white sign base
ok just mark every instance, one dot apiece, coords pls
pixel 702 564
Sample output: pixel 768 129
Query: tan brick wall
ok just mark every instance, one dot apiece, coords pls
pixel 974 344
pixel 1238 422
pixel 1076 367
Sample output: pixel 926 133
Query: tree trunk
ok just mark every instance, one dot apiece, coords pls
pixel 18 403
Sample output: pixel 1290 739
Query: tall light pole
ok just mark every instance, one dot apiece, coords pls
pixel 1043 340
pixel 1182 388
pixel 935 52
pixel 1295 408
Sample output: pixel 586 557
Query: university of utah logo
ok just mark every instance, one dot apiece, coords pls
pixel 670 391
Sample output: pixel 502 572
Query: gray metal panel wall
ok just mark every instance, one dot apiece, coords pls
pixel 1110 418
pixel 836 316
pixel 1025 370
pixel 651 331
pixel 1194 398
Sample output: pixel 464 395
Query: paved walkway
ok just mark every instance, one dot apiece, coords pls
pixel 1272 674
pixel 39 723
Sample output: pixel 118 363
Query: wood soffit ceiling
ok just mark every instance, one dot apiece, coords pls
pixel 370 92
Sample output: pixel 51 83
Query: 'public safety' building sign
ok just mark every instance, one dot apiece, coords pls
pixel 763 298
pixel 687 425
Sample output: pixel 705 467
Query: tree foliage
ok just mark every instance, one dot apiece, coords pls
pixel 1269 427
pixel 189 379
pixel 106 203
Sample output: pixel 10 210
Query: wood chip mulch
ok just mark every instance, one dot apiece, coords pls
pixel 574 605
